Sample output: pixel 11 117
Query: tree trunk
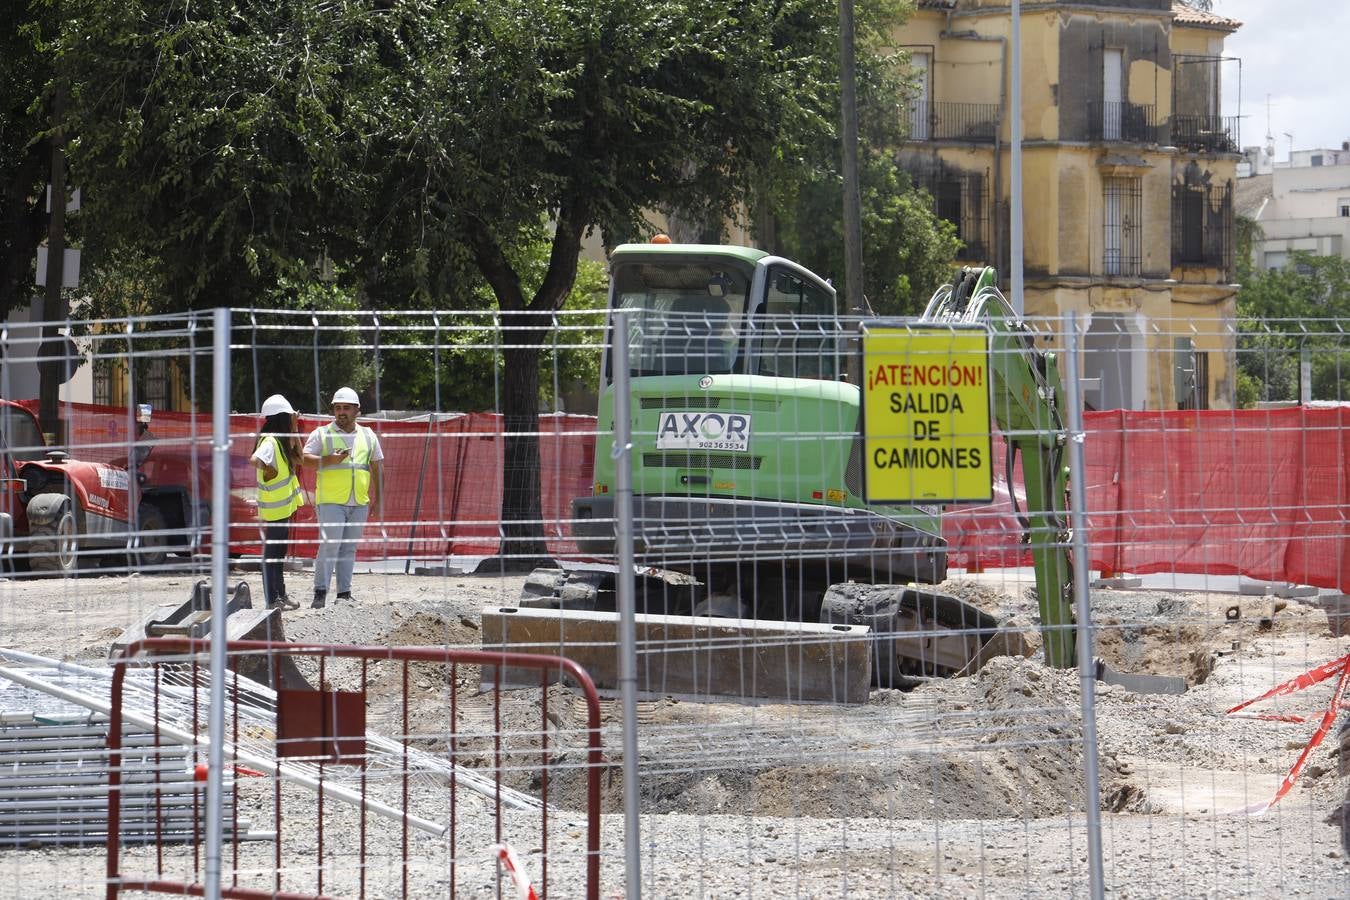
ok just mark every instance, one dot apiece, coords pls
pixel 525 331
pixel 522 546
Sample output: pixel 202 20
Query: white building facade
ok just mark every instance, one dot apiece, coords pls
pixel 1302 205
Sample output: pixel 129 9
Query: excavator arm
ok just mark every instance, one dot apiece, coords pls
pixel 1026 391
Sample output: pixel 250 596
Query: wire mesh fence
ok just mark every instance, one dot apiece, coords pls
pixel 841 676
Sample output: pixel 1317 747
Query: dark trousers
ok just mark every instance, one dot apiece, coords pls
pixel 276 543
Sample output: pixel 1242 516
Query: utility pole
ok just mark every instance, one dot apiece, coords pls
pixel 50 368
pixel 848 104
pixel 1015 226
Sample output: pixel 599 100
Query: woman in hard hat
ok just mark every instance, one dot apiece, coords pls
pixel 277 457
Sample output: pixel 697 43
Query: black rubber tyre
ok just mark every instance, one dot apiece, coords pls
pixel 55 547
pixel 150 543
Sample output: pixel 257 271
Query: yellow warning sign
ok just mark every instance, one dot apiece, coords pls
pixel 926 414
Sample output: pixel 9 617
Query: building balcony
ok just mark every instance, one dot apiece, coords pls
pixel 942 120
pixel 1206 134
pixel 1135 123
pixel 1202 226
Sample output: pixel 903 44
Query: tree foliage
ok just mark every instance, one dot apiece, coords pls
pixel 418 146
pixel 25 153
pixel 1284 312
pixel 451 361
pixel 907 249
pixel 228 142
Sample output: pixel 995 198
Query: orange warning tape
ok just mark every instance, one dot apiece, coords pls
pixel 1316 675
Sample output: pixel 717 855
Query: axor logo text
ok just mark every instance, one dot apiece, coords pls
pixel 703 431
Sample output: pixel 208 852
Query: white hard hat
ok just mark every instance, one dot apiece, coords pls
pixel 346 395
pixel 276 404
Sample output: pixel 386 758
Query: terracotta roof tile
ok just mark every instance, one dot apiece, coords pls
pixel 1186 14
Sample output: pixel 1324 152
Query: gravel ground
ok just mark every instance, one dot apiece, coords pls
pixel 961 787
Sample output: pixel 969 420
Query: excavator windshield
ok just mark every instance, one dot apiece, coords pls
pixel 687 316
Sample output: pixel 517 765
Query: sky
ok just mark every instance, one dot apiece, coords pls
pixel 1294 51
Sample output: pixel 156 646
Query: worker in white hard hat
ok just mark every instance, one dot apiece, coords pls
pixel 277 456
pixel 347 456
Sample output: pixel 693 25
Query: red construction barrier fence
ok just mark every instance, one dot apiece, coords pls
pixel 1262 493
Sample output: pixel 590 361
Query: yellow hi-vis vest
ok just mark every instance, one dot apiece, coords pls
pixel 279 498
pixel 338 481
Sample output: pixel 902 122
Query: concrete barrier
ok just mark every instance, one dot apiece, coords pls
pixel 692 657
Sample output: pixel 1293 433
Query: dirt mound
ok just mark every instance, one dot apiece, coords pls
pixel 1021 720
pixel 427 629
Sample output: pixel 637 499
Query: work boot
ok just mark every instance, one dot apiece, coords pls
pixel 320 600
pixel 344 595
pixel 283 602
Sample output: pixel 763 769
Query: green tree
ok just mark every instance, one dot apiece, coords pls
pixel 420 145
pixel 1281 313
pixel 907 249
pixel 225 142
pixel 225 151
pixel 464 372
pixel 588 115
pixel 25 153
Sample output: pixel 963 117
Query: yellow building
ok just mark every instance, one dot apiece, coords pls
pixel 1128 173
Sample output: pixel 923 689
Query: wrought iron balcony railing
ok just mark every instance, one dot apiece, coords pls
pixel 1136 123
pixel 1211 134
pixel 947 121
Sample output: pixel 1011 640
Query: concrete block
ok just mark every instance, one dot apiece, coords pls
pixel 1283 589
pixel 438 571
pixel 1118 582
pixel 693 657
pixel 1337 607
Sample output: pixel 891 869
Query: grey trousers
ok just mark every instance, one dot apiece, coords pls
pixel 340 529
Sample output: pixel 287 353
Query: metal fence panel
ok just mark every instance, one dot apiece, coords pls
pixel 1214 510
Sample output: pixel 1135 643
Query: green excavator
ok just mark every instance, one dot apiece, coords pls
pixel 754 543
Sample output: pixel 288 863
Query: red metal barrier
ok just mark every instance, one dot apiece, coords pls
pixel 320 741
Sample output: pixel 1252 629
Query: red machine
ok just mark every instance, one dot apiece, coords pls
pixel 59 514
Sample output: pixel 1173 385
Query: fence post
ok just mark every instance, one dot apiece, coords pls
pixel 1086 665
pixel 623 540
pixel 220 547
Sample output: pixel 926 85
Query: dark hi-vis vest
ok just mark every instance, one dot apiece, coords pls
pixel 281 496
pixel 338 482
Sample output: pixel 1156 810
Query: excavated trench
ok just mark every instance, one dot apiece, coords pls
pixel 1005 743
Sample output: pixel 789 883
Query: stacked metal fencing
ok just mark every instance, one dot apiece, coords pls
pixel 54 789
pixel 1212 548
